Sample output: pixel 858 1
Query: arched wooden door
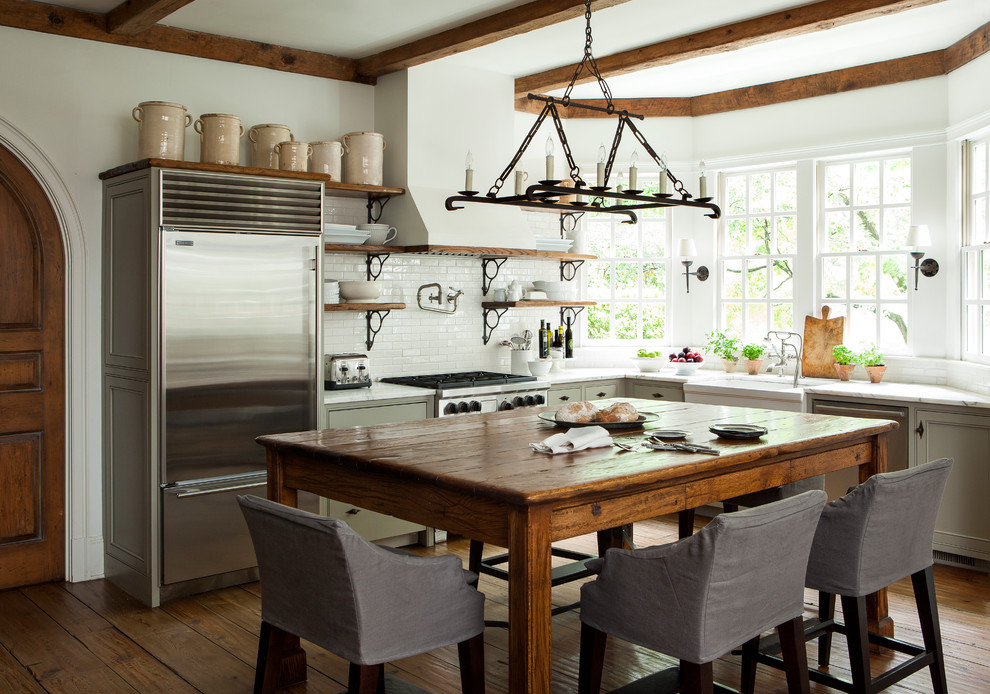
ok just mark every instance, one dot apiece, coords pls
pixel 32 381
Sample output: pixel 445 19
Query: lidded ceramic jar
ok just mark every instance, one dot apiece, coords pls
pixel 363 157
pixel 161 129
pixel 220 138
pixel 292 155
pixel 326 158
pixel 263 140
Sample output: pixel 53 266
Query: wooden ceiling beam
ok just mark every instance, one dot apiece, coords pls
pixel 134 16
pixel 49 19
pixel 968 48
pixel 825 14
pixel 481 32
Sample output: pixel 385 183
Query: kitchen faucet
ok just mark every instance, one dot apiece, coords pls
pixel 786 340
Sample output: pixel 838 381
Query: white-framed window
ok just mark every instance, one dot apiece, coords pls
pixel 976 249
pixel 758 247
pixel 630 279
pixel 865 214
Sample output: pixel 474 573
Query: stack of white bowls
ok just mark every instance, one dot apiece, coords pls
pixel 557 291
pixel 331 292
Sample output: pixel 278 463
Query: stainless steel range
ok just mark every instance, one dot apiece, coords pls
pixel 478 391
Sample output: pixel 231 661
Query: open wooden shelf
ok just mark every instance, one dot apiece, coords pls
pixel 347 190
pixel 370 306
pixel 464 251
pixel 538 303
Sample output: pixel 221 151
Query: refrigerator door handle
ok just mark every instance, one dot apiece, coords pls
pixel 180 491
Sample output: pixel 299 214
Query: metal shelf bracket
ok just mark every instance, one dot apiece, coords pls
pixel 375 208
pixel 573 311
pixel 375 263
pixel 489 327
pixel 569 222
pixel 486 281
pixel 373 331
pixel 569 268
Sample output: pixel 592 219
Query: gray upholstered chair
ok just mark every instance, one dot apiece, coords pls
pixel 700 597
pixel 877 534
pixel 685 519
pixel 367 604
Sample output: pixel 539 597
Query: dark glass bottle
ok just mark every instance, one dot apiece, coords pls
pixel 544 345
pixel 558 338
pixel 568 341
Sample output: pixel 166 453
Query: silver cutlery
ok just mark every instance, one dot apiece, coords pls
pixel 659 445
pixel 625 447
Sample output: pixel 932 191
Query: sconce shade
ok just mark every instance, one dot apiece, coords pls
pixel 686 248
pixel 918 237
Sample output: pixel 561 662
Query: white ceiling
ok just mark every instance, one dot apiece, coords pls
pixel 353 29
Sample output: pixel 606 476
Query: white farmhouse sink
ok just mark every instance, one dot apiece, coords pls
pixel 768 392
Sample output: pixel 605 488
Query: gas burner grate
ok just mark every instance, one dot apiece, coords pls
pixel 463 379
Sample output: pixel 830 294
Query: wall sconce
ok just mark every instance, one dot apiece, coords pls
pixel 918 237
pixel 686 249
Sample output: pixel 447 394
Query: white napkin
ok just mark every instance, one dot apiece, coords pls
pixel 576 439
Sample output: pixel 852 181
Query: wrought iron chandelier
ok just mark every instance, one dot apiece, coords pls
pixel 548 194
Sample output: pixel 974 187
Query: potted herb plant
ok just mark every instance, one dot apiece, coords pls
pixel 721 345
pixel 845 361
pixel 872 359
pixel 753 354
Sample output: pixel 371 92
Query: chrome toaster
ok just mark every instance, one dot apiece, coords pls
pixel 346 371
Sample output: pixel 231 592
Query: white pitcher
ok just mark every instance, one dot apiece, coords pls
pixel 263 140
pixel 363 158
pixel 161 129
pixel 220 138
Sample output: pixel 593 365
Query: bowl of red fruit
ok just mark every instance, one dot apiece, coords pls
pixel 686 362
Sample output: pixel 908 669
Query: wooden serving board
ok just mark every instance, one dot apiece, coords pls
pixel 820 336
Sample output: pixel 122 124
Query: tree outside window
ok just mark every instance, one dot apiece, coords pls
pixel 865 217
pixel 758 242
pixel 630 277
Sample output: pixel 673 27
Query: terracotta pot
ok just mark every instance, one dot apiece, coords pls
pixel 219 138
pixel 753 366
pixel 263 140
pixel 161 129
pixel 293 155
pixel 326 158
pixel 844 371
pixel 875 373
pixel 730 365
pixel 363 157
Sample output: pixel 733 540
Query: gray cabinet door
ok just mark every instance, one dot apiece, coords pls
pixel 598 390
pixel 650 391
pixel 963 525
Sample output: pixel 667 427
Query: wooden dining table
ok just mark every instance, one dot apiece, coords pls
pixel 476 475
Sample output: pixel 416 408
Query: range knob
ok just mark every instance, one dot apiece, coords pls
pixel 518 401
pixel 462 406
pixel 540 400
pixel 530 400
pixel 450 408
pixel 506 405
pixel 475 406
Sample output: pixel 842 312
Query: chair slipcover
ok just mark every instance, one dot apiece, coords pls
pixel 878 533
pixel 368 604
pixel 700 597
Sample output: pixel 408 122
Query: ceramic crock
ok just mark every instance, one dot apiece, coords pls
pixel 363 156
pixel 263 140
pixel 292 155
pixel 326 158
pixel 161 129
pixel 219 138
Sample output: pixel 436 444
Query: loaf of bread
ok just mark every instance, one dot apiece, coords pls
pixel 582 411
pixel 618 412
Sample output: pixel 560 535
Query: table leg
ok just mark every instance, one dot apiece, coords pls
pixel 529 600
pixel 292 666
pixel 877 618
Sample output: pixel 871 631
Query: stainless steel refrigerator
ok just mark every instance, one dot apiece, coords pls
pixel 240 349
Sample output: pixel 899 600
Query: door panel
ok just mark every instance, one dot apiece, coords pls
pixel 32 382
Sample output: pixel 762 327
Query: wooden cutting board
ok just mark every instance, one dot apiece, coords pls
pixel 820 336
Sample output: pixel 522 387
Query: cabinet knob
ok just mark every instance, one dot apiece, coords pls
pixel 565 397
pixel 921 429
pixel 352 511
pixel 658 395
pixel 602 394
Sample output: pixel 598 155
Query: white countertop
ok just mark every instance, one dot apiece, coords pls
pixel 377 391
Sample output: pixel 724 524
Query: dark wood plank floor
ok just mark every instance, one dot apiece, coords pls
pixel 92 637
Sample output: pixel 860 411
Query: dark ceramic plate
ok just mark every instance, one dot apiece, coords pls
pixel 737 431
pixel 644 418
pixel 667 434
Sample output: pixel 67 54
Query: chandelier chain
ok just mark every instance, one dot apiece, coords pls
pixel 589 60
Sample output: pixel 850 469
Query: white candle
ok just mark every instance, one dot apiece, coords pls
pixel 469 171
pixel 632 170
pixel 601 165
pixel 663 175
pixel 702 183
pixel 549 159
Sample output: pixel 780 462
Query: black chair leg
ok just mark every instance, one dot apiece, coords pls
pixel 366 679
pixel 271 645
pixel 729 507
pixel 592 660
pixel 474 558
pixel 924 596
pixel 698 679
pixel 471 658
pixel 795 655
pixel 826 612
pixel 747 683
pixel 854 617
pixel 685 523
